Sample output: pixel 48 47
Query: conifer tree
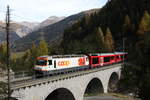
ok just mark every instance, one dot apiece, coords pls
pixel 34 54
pixel 3 53
pixel 42 48
pixel 87 19
pixel 28 60
pixel 144 25
pixel 100 38
pixel 27 55
pixel 109 42
pixel 100 34
pixel 33 51
pixel 127 22
pixel 127 27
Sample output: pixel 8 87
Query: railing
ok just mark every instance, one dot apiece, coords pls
pixel 24 75
pixel 15 76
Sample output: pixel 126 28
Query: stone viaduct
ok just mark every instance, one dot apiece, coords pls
pixel 73 87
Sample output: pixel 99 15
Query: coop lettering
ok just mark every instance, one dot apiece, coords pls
pixel 63 63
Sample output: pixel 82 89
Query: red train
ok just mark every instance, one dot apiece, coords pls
pixel 101 59
pixel 59 62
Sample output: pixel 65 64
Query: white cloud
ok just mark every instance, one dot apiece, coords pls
pixel 38 10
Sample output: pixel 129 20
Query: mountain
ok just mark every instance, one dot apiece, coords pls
pixel 50 20
pixel 17 30
pixel 31 25
pixel 13 35
pixel 24 28
pixel 21 29
pixel 52 33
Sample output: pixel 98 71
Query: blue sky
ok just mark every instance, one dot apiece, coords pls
pixel 39 10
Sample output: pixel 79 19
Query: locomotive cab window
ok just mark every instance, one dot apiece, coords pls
pixel 50 62
pixel 41 62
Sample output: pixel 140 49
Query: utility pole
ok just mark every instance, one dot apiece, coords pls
pixel 8 49
pixel 123 48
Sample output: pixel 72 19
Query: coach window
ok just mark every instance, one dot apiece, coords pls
pixel 50 62
pixel 106 59
pixel 125 56
pixel 117 57
pixel 121 56
pixel 112 57
pixel 95 60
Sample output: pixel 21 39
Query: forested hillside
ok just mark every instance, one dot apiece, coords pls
pixel 121 17
pixel 118 22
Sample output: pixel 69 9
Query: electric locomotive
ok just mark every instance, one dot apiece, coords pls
pixel 47 64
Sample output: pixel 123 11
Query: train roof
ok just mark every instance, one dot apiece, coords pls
pixel 105 54
pixel 63 56
pixel 82 55
pixel 120 53
pixel 100 54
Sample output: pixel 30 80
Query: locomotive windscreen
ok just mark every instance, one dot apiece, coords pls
pixel 41 62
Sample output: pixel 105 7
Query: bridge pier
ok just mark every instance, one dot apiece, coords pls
pixel 105 89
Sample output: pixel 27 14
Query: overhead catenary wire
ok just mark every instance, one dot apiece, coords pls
pixel 2 11
pixel 3 27
pixel 21 17
pixel 15 15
